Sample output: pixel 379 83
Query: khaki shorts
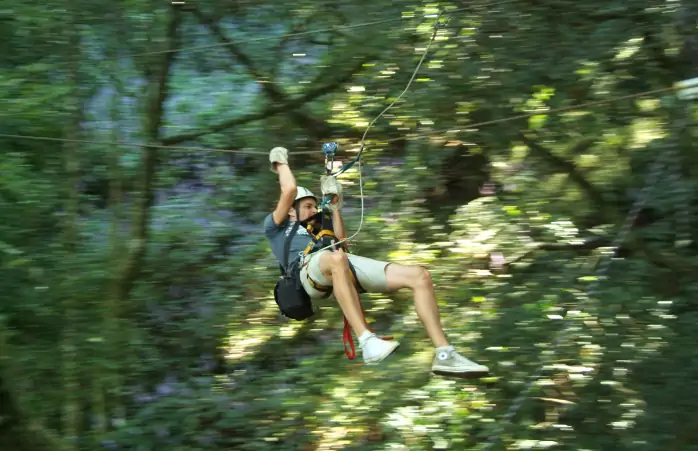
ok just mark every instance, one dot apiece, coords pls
pixel 371 274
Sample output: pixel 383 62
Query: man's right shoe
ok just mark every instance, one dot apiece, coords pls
pixel 374 349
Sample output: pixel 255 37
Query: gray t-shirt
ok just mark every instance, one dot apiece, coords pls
pixel 276 234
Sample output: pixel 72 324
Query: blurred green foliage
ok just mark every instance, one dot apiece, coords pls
pixel 138 311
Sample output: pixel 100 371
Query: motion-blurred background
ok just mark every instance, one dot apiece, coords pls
pixel 136 308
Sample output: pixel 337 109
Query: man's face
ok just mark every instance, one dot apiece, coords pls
pixel 306 209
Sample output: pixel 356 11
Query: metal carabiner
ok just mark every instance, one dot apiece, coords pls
pixel 329 149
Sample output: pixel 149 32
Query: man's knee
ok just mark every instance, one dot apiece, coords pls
pixel 408 276
pixel 422 277
pixel 336 261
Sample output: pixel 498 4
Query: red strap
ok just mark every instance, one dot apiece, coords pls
pixel 347 336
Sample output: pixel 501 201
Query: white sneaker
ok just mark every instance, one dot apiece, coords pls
pixel 374 349
pixel 448 362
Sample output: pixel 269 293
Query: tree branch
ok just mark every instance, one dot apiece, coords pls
pixel 257 73
pixel 568 167
pixel 270 88
pixel 281 45
pixel 132 265
pixel 674 262
pixel 587 245
pixel 273 110
pixel 634 244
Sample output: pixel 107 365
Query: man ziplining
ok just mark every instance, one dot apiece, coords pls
pixel 335 273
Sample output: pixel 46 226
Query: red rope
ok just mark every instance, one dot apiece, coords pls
pixel 348 338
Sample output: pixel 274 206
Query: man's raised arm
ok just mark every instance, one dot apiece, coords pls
pixel 330 186
pixel 278 157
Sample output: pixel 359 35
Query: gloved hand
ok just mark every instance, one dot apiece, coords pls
pixel 330 186
pixel 278 155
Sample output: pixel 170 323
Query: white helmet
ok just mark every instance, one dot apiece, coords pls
pixel 302 193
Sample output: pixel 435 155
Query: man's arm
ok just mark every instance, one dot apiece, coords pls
pixel 279 164
pixel 330 185
pixel 288 193
pixel 338 224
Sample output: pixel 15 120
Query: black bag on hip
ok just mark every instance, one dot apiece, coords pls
pixel 290 296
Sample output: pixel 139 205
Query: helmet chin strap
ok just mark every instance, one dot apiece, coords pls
pixel 317 225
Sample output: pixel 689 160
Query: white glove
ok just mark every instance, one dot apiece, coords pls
pixel 278 155
pixel 330 186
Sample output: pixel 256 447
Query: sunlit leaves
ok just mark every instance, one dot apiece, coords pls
pixel 511 267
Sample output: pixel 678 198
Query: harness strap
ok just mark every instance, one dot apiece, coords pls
pixel 328 288
pixel 319 287
pixel 287 246
pixel 316 239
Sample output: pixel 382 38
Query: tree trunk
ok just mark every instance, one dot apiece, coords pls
pixel 17 431
pixel 109 387
pixel 132 258
pixel 158 91
pixel 69 350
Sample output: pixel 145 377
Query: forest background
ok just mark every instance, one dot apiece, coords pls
pixel 138 311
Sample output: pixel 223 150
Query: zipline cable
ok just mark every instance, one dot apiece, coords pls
pixel 581 106
pixel 465 128
pixel 362 144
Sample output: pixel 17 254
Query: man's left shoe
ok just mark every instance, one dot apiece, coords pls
pixel 447 362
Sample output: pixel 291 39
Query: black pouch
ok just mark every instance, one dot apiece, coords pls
pixel 289 294
pixel 292 299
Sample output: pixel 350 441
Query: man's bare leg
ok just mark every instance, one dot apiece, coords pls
pixel 335 268
pixel 447 360
pixel 419 281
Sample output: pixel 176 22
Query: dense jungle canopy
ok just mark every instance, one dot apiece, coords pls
pixel 138 311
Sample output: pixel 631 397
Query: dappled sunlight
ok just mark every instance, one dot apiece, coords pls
pixel 540 168
pixel 629 48
pixel 243 341
pixel 335 437
pixel 644 131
